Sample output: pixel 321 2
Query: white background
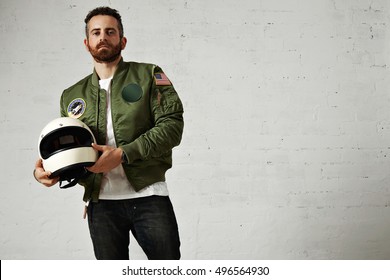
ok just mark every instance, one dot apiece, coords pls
pixel 285 153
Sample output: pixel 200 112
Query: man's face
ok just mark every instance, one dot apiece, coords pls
pixel 103 41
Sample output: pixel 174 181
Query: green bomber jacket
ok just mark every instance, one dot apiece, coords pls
pixel 147 117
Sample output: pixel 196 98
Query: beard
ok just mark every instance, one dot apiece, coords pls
pixel 106 55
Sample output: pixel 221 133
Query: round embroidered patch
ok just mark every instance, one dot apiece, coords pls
pixel 76 108
pixel 132 93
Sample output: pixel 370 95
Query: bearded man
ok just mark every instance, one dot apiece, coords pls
pixel 136 117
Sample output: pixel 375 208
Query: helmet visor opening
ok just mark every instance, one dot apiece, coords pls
pixel 63 139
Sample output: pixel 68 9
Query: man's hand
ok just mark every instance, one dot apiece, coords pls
pixel 42 176
pixel 110 158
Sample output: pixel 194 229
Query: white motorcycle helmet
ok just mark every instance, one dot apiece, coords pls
pixel 65 147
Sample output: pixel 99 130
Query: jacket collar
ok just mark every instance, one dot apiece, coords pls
pixel 95 77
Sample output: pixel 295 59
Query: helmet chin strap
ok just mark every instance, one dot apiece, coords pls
pixel 74 181
pixel 71 183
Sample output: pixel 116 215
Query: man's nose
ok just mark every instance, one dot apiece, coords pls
pixel 103 37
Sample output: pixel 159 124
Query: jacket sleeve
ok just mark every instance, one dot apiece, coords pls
pixel 62 107
pixel 167 114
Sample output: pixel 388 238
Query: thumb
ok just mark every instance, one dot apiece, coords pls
pixel 97 147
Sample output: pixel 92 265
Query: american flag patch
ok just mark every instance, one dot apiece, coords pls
pixel 161 79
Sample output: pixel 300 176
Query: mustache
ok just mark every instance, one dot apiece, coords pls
pixel 103 44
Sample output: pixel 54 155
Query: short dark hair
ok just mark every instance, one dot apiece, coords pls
pixel 104 11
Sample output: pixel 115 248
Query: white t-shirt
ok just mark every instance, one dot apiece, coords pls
pixel 114 183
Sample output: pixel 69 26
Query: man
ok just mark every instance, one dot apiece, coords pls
pixel 137 118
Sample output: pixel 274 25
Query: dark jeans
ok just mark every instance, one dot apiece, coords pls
pixel 151 220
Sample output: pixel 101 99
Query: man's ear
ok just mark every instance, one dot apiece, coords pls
pixel 86 44
pixel 123 42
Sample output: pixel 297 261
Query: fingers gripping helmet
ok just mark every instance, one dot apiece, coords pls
pixel 65 147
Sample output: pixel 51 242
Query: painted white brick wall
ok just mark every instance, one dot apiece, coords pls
pixel 285 153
